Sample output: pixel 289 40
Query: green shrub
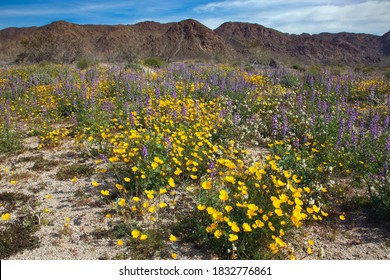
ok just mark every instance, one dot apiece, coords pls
pixel 85 63
pixel 155 62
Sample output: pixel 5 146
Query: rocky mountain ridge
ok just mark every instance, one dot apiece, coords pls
pixel 62 41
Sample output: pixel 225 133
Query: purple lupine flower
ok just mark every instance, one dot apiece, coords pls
pixel 107 106
pixel 236 119
pixel 351 119
pixel 213 172
pixel 372 94
pixel 300 100
pixel 374 127
pixel 386 122
pixel 274 125
pixel 284 121
pixel 184 110
pixel 158 93
pixel 304 140
pixel 174 94
pixel 7 112
pixel 341 133
pixel 144 152
pixel 388 105
pixel 127 108
pixel 222 114
pixel 324 106
pixel 338 86
pixel 147 106
pixel 313 119
pixel 132 121
pixel 169 143
pixel 387 147
pixel 328 85
pixel 353 139
pixel 223 84
pixel 311 81
pixel 296 144
pixel 104 158
pixel 252 119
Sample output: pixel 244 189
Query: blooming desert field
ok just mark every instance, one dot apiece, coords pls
pixel 193 161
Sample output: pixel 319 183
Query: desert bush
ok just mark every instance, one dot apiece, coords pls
pixel 85 63
pixel 156 62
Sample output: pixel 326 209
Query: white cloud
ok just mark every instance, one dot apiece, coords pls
pixel 311 16
pixel 302 16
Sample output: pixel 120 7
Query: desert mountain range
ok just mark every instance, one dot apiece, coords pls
pixel 62 41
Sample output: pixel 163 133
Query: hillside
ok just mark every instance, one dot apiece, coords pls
pixel 188 40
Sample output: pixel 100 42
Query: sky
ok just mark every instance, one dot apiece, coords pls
pixel 294 17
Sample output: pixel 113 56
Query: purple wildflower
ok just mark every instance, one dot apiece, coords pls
pixel 388 147
pixel 274 125
pixel 213 172
pixel 169 143
pixel 341 133
pixel 144 152
pixel 296 144
pixel 104 158
pixel 236 119
pixel 353 139
pixel 374 127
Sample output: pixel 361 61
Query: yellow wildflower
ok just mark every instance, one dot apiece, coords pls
pixel 218 233
pixel 171 182
pixel 246 227
pixel 95 184
pixel 233 237
pixel 296 179
pixel 122 202
pixel 162 205
pixel 143 237
pixel 206 185
pixel 135 233
pixel 223 195
pixel 105 192
pixel 5 216
pixel 201 207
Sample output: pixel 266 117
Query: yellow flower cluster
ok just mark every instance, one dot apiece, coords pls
pixel 257 202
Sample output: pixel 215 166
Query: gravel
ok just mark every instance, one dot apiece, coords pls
pixel 353 239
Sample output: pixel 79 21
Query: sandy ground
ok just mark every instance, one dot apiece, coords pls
pixel 354 238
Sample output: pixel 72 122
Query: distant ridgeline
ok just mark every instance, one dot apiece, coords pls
pixel 188 40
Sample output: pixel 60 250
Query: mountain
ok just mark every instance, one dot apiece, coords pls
pixel 188 40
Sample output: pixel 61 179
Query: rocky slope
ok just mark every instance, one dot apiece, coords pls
pixel 188 40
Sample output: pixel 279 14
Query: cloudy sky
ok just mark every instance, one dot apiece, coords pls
pixel 310 16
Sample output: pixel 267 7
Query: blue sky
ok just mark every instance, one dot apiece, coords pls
pixel 310 16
